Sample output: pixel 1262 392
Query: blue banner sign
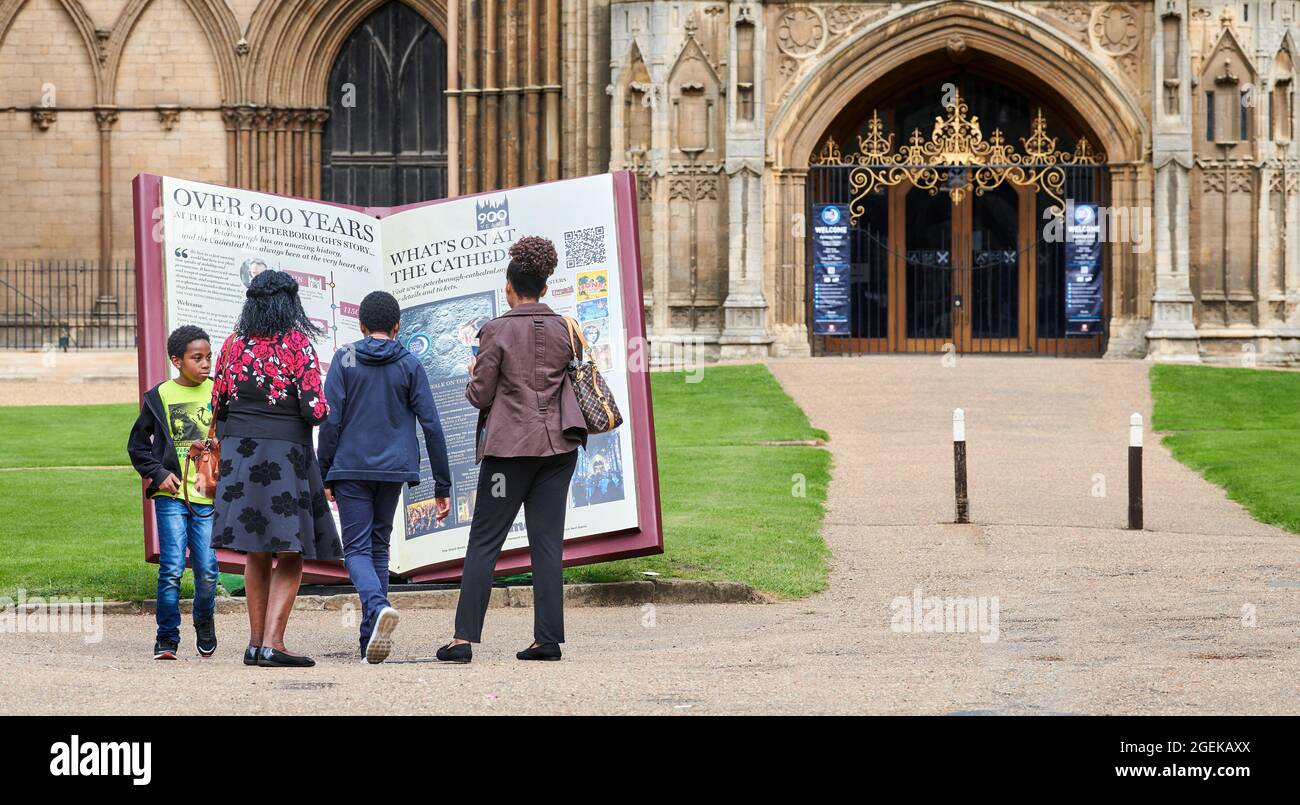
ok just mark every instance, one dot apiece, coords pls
pixel 830 253
pixel 1083 278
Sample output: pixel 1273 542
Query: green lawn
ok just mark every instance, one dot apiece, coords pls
pixel 733 508
pixel 728 506
pixel 65 435
pixel 1240 428
pixel 74 533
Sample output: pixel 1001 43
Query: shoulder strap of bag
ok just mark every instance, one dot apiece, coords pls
pixel 581 339
pixel 185 489
pixel 212 432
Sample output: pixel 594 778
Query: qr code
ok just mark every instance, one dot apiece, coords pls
pixel 584 247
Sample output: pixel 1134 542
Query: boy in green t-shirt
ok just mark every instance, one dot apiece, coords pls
pixel 173 414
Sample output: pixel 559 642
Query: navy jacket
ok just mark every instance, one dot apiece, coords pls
pixel 377 393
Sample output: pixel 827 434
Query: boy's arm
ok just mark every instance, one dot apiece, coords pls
pixel 139 447
pixel 487 366
pixel 421 400
pixel 329 430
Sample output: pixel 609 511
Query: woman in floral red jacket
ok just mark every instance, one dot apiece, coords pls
pixel 270 499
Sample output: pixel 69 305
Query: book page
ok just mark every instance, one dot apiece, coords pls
pixel 446 265
pixel 216 239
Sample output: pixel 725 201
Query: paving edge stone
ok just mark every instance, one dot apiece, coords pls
pixel 610 594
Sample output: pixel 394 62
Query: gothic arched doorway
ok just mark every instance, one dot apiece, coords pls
pixel 942 192
pixel 385 142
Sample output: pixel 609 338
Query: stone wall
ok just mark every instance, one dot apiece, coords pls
pixel 717 105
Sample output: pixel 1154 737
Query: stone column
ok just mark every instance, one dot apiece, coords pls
pixel 1266 240
pixel 744 331
pixel 105 118
pixel 1291 266
pixel 785 228
pixel 1173 335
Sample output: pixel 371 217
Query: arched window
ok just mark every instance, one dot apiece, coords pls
pixel 385 142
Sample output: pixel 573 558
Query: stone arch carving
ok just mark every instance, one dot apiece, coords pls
pixel 1282 93
pixel 841 73
pixel 1104 105
pixel 696 118
pixel 637 97
pixel 694 94
pixel 85 26
pixel 631 142
pixel 215 19
pixel 295 42
pixel 1225 100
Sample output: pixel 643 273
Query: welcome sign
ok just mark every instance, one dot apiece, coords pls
pixel 199 245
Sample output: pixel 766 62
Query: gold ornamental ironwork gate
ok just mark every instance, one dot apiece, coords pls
pixel 946 248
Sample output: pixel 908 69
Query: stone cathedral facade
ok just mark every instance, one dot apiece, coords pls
pixel 946 128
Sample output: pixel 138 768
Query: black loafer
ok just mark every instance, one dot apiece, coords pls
pixel 268 657
pixel 250 655
pixel 460 652
pixel 543 651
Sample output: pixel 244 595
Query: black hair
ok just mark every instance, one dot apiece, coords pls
pixel 182 337
pixel 273 308
pixel 532 259
pixel 379 312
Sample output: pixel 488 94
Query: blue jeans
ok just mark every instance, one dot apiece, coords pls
pixel 178 529
pixel 366 510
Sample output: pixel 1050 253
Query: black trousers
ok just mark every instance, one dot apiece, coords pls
pixel 541 486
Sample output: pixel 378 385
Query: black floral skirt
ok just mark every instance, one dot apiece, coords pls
pixel 270 498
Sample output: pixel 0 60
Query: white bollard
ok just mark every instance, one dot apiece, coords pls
pixel 1135 472
pixel 959 464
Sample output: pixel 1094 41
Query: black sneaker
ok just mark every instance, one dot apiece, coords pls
pixel 542 651
pixel 461 652
pixel 165 649
pixel 205 638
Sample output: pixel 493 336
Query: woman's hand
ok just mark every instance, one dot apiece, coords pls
pixel 472 362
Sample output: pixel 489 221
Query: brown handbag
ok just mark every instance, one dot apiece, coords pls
pixel 594 398
pixel 206 456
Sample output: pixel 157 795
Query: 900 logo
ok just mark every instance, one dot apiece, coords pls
pixel 492 214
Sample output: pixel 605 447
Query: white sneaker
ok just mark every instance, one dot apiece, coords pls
pixel 381 639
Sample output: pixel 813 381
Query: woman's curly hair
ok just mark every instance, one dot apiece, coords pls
pixel 273 308
pixel 532 261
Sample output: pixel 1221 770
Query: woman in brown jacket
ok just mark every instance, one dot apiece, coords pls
pixel 530 429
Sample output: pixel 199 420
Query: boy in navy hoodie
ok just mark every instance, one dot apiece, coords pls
pixel 368 448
